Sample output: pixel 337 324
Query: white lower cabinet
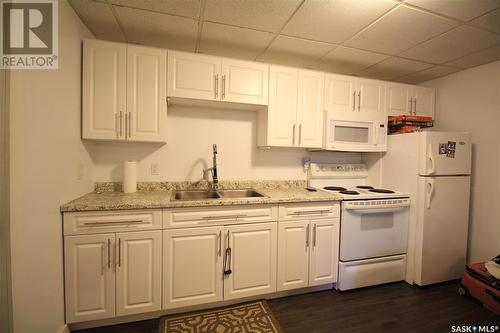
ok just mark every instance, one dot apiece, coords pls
pixel 89 276
pixel 307 253
pixel 250 254
pixel 138 272
pixel 192 266
pixel 111 274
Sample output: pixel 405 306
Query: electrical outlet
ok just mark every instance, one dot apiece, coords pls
pixel 155 169
pixel 80 171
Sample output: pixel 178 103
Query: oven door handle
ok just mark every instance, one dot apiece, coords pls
pixel 376 210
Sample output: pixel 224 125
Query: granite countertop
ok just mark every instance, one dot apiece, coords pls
pixel 158 195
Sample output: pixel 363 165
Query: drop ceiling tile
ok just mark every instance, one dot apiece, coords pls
pixel 478 58
pixel 490 21
pixel 393 68
pixel 334 21
pixel 461 9
pixel 99 18
pixel 427 74
pixel 186 8
pixel 346 60
pixel 295 51
pixel 267 15
pixel 399 30
pixel 156 29
pixel 453 44
pixel 229 41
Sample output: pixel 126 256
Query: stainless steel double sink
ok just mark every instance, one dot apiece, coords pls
pixel 219 194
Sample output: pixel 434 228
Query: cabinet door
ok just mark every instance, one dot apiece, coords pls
pixel 323 263
pixel 194 76
pixel 293 254
pixel 89 277
pixel 282 110
pixel 192 266
pixel 104 90
pixel 371 95
pixel 424 101
pixel 252 258
pixel 398 99
pixel 339 93
pixel 244 82
pixel 146 94
pixel 138 272
pixel 310 109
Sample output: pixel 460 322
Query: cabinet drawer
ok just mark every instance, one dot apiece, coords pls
pixel 316 210
pixel 115 221
pixel 190 217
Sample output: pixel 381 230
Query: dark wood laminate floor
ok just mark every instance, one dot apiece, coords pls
pixel 396 307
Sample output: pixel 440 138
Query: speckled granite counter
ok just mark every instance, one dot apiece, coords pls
pixel 158 195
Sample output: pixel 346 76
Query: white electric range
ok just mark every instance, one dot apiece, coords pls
pixel 374 225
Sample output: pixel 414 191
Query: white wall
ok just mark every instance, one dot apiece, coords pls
pixel 5 303
pixel 191 133
pixel 45 150
pixel 470 101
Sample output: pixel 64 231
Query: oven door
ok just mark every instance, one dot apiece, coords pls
pixel 373 228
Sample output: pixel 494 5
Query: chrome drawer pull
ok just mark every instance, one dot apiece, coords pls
pixel 223 217
pixel 112 223
pixel 298 212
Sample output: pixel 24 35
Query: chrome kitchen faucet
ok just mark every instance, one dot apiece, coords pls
pixel 213 169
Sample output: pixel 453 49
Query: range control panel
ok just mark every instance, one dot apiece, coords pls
pixel 338 170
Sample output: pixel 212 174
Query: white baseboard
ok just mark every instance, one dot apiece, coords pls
pixel 64 329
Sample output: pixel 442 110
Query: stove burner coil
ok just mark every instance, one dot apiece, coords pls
pixel 380 190
pixel 334 188
pixel 349 192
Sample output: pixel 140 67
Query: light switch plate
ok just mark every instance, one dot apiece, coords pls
pixel 155 169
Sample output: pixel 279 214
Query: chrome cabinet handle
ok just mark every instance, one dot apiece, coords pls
pixel 411 105
pixel 307 235
pixel 102 259
pixel 220 242
pixel 113 223
pixel 359 101
pixel 220 217
pixel 129 124
pixel 415 106
pixel 109 253
pixel 300 134
pixel 293 136
pixel 353 100
pixel 223 86
pixel 314 235
pixel 320 211
pixel 119 252
pixel 216 86
pixel 120 123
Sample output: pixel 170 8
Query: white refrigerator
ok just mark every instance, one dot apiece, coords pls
pixel 435 168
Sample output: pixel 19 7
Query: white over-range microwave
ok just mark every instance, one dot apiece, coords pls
pixel 355 131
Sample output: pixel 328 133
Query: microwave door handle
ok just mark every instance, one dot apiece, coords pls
pixel 375 134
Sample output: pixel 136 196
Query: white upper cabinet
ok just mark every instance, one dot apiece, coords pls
pixel 371 95
pixel 277 126
pixel 310 109
pixel 294 117
pixel 340 93
pixel 398 99
pixel 124 92
pixel 203 77
pixel 194 76
pixel 146 94
pixel 424 101
pixel 349 93
pixel 404 99
pixel 104 90
pixel 244 82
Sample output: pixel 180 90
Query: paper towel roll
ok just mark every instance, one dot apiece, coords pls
pixel 130 176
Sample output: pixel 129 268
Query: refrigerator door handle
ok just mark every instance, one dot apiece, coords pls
pixel 430 191
pixel 430 156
